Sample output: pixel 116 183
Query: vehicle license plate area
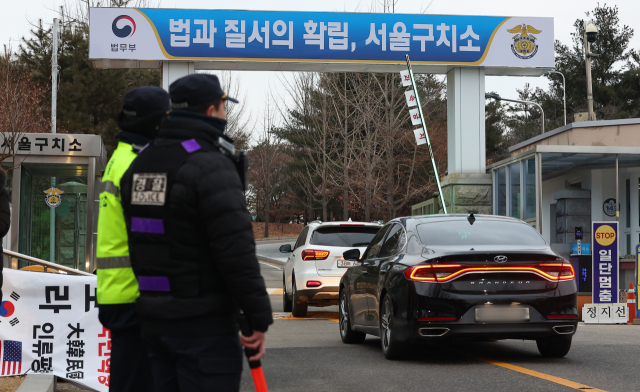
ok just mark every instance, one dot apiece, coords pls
pixel 345 263
pixel 502 314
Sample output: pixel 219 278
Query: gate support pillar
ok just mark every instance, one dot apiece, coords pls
pixel 174 70
pixel 467 187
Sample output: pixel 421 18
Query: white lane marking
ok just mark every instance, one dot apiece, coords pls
pixel 270 265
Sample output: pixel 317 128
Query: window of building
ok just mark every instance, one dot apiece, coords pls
pixel 515 194
pixel 501 192
pixel 627 200
pixel 529 188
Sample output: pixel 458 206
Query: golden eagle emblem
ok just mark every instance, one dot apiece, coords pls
pixel 53 198
pixel 524 43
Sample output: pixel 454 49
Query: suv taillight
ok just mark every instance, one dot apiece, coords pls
pixel 310 254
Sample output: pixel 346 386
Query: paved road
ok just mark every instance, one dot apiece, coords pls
pixel 308 355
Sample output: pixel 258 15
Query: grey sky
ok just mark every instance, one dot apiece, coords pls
pixel 19 15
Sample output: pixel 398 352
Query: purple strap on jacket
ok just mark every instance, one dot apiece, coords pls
pixel 147 225
pixel 191 145
pixel 153 283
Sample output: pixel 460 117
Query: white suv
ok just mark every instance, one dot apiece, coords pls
pixel 314 268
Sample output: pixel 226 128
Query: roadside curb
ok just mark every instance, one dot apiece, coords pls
pixel 38 383
pixel 270 260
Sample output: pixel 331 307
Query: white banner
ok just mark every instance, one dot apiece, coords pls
pixel 411 98
pixel 415 117
pixel 405 77
pixel 49 324
pixel 420 136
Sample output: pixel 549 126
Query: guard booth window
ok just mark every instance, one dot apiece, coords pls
pixel 529 188
pixel 514 181
pixel 53 210
pixel 501 192
pixel 515 190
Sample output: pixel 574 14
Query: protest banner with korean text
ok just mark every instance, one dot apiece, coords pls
pixel 49 325
pixel 605 262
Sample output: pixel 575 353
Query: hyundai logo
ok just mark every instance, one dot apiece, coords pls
pixel 500 259
pixel 127 30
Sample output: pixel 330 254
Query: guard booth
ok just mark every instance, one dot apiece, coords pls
pixel 52 182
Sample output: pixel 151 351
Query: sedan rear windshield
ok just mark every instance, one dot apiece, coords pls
pixel 344 236
pixel 488 232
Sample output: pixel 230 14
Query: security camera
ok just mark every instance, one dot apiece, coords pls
pixel 592 32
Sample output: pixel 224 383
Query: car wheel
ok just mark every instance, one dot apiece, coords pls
pixel 348 336
pixel 554 347
pixel 391 347
pixel 299 308
pixel 286 301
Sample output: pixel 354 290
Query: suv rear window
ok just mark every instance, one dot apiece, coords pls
pixel 344 236
pixel 482 232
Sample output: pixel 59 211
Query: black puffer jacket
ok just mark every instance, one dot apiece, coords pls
pixel 207 223
pixel 5 215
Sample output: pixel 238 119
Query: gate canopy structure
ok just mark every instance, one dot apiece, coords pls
pixel 465 48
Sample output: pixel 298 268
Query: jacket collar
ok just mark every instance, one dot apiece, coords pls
pixel 182 125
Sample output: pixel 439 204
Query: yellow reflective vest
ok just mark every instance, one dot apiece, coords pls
pixel 116 282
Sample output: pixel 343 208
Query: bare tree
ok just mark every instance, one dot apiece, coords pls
pixel 239 122
pixel 21 111
pixel 267 162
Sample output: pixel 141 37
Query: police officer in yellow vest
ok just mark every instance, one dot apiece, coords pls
pixel 139 121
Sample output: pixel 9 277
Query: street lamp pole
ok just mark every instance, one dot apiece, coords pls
pixel 590 36
pixel 564 94
pixel 499 98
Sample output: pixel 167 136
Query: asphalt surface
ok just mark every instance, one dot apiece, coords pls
pixel 308 355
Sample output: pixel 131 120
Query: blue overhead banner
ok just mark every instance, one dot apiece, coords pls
pixel 319 37
pixel 605 262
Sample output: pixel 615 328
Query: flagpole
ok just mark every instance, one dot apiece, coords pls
pixel 426 134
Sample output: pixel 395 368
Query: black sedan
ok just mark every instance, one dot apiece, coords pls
pixel 458 276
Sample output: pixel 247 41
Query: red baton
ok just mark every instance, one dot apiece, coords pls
pixel 256 366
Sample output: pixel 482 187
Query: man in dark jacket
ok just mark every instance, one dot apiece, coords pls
pixel 191 246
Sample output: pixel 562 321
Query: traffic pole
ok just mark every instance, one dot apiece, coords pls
pixel 256 366
pixel 631 303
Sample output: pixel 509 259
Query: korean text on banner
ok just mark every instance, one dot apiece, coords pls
pixel 605 262
pixel 420 136
pixel 411 98
pixel 52 327
pixel 405 77
pixel 415 117
pixel 285 37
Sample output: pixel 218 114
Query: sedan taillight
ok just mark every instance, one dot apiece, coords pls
pixel 310 254
pixel 420 273
pixel 447 272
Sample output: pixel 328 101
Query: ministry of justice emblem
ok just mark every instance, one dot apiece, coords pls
pixel 524 44
pixel 53 197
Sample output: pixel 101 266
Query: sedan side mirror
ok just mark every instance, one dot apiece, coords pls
pixel 286 248
pixel 352 255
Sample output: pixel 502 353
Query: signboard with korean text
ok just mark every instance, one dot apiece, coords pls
pixel 329 38
pixel 49 325
pixel 605 262
pixel 55 144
